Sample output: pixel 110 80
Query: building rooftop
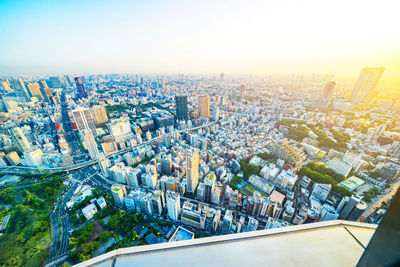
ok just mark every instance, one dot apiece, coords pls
pixel 331 243
pixel 181 234
pixel 352 183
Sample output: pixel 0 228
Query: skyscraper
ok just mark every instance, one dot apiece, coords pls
pixel 204 106
pixel 90 143
pixel 20 138
pixel 192 170
pixel 34 90
pixel 328 91
pixel 84 119
pixel 242 91
pixel 363 91
pixel 47 93
pixel 181 107
pixel 100 114
pixel 81 89
pixel 55 82
pixel 20 90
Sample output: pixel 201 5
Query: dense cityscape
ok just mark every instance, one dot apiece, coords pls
pixel 93 163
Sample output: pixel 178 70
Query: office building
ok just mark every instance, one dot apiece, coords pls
pixel 252 224
pixel 363 91
pixel 120 129
pixel 242 91
pixel 89 211
pixel 328 213
pixel 321 191
pixel 192 169
pixel 129 201
pixel 90 143
pixel 209 184
pixel 194 215
pixel 84 119
pixel 33 157
pixel 286 179
pixel 20 139
pixel 118 192
pixel 355 161
pixel 134 177
pixel 34 90
pixel 13 158
pixel 181 107
pixel 216 114
pixel 288 153
pixel 56 82
pixel 100 114
pixel 339 166
pixel 347 205
pixel 204 106
pixel 358 210
pixel 227 222
pixel 166 166
pixel 173 205
pixel 328 91
pixel 80 88
pixel 20 90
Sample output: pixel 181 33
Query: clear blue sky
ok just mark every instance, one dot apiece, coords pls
pixel 205 36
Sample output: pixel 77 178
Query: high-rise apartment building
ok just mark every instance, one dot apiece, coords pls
pixel 80 88
pixel 363 91
pixel 204 106
pixel 118 192
pixel 192 169
pixel 173 205
pixel 84 119
pixel 20 139
pixel 90 143
pixel 100 114
pixel 181 107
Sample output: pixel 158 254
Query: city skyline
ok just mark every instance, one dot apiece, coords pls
pixel 259 38
pixel 254 131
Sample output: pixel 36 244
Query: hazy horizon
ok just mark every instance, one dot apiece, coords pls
pixel 52 37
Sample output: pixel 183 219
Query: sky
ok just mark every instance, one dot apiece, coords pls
pixel 207 36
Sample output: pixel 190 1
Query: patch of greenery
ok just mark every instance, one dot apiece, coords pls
pixel 370 194
pixel 320 174
pixel 27 237
pixel 234 182
pixel 249 169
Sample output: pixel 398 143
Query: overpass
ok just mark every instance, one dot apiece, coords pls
pixel 42 170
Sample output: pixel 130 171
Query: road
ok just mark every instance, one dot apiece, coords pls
pixel 377 203
pixel 37 170
pixel 61 225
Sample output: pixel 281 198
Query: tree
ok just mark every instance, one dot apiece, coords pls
pixel 7 195
pixel 14 261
